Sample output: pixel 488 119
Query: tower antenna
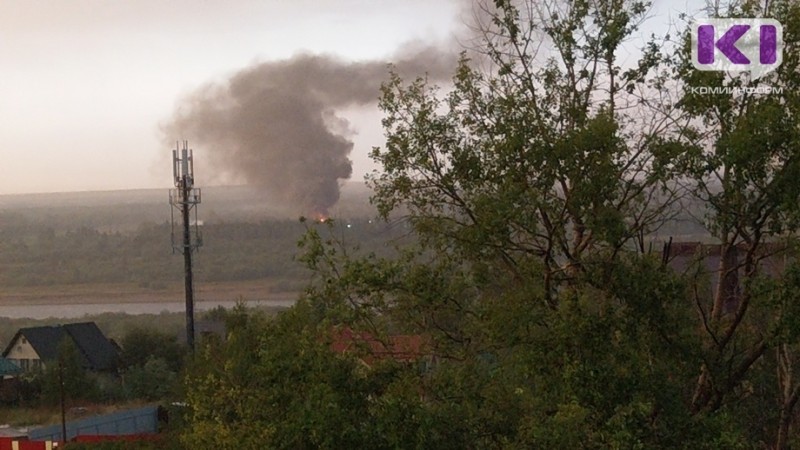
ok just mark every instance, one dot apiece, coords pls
pixel 184 200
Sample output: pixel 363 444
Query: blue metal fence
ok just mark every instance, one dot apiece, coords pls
pixel 133 421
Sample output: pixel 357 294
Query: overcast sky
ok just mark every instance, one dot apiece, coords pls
pixel 86 83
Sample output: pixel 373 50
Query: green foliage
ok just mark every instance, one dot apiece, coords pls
pixel 66 371
pixel 275 385
pixel 142 345
pixel 747 173
pixel 154 380
pixel 165 442
pixel 151 362
pixel 607 369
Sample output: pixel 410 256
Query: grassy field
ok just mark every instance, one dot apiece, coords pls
pixel 80 294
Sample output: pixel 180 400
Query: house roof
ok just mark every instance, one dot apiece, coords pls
pixel 402 348
pixel 97 352
pixel 100 352
pixel 8 368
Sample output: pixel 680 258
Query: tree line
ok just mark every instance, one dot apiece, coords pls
pixel 33 253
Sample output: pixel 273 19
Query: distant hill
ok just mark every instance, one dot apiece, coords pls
pixel 126 210
pixel 90 238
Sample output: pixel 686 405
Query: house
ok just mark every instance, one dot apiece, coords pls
pixel 206 327
pixel 32 348
pixel 369 349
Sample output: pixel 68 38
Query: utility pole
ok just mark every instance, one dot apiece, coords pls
pixel 185 198
pixel 62 398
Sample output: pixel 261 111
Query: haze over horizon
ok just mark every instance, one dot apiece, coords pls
pixel 86 84
pixel 90 86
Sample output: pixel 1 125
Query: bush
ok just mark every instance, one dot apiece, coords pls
pixel 139 345
pixel 152 381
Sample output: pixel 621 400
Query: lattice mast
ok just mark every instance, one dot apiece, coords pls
pixel 184 200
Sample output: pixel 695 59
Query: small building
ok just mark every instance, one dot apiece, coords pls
pixel 205 329
pixel 32 348
pixel 369 349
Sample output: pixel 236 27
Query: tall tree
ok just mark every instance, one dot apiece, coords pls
pixel 541 156
pixel 530 185
pixel 747 175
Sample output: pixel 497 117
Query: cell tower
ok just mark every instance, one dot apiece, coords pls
pixel 184 199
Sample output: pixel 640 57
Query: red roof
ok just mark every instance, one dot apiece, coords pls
pixel 403 348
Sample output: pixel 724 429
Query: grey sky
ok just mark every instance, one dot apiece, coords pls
pixel 85 83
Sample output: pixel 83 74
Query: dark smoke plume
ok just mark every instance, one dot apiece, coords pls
pixel 274 125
